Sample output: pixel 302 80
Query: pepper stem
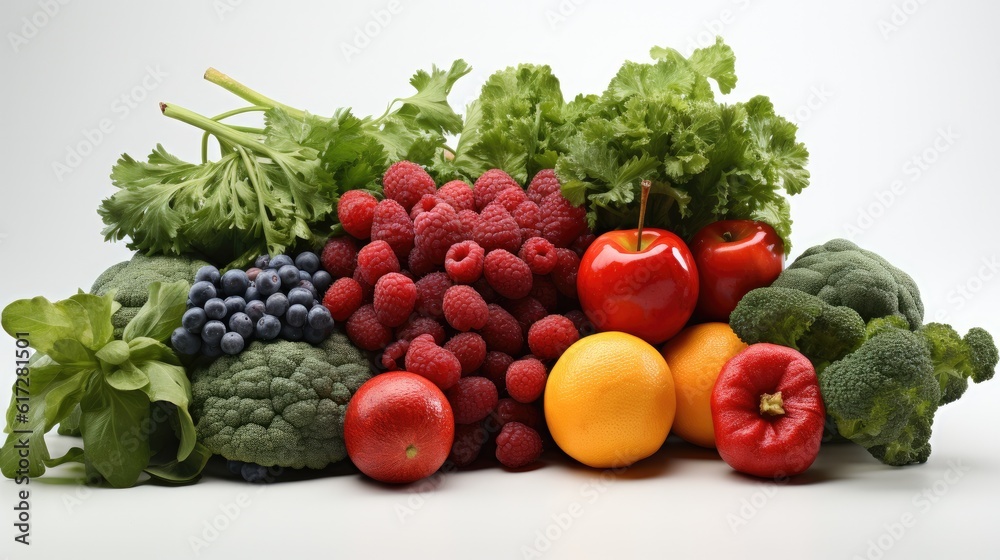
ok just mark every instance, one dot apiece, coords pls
pixel 643 200
pixel 771 405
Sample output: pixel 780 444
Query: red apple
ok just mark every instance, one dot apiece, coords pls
pixel 734 257
pixel 648 289
pixel 398 428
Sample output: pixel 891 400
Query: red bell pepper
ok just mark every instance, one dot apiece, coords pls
pixel 767 412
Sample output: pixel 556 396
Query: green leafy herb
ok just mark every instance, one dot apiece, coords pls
pixel 131 395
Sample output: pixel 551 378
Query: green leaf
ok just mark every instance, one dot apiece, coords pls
pixel 161 314
pixel 182 471
pixel 114 353
pixel 429 106
pixel 62 396
pixel 33 444
pixel 74 455
pixel 110 424
pixel 127 377
pixel 67 319
pixel 72 354
pixel 169 383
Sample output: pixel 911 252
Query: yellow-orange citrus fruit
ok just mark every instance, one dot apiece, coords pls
pixel 609 400
pixel 696 356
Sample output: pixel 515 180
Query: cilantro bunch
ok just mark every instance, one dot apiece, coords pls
pixel 659 121
pixel 271 187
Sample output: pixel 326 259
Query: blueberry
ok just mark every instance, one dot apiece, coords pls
pixel 201 292
pixel 232 343
pixel 212 333
pixel 297 315
pixel 235 282
pixel 268 327
pixel 253 473
pixel 289 275
pixel 235 467
pixel 322 280
pixel 305 276
pixel 235 304
pixel 268 282
pixel 320 318
pixel 307 261
pixel 207 273
pixel 314 336
pixel 262 261
pixel 252 293
pixel 210 351
pixel 300 296
pixel 279 261
pixel 255 310
pixel 277 304
pixel 185 342
pixel 194 319
pixel 215 308
pixel 305 284
pixel 291 333
pixel 241 324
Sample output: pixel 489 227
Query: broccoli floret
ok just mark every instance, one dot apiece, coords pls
pixel 841 273
pixel 958 359
pixel 131 280
pixel 280 403
pixel 883 396
pixel 822 332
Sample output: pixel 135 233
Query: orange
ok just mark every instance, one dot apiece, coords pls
pixel 609 400
pixel 696 356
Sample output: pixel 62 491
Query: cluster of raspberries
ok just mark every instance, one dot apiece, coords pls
pixel 472 287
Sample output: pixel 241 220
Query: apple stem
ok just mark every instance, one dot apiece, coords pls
pixel 643 199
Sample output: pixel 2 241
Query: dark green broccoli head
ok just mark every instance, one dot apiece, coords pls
pixel 883 396
pixel 957 359
pixel 131 280
pixel 280 403
pixel 793 318
pixel 841 273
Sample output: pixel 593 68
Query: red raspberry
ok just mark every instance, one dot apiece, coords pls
pixel 495 368
pixel 581 322
pixel 518 445
pixel 545 292
pixel 564 274
pixel 469 348
pixel 355 210
pixel 507 274
pixel 464 308
pixel 472 399
pixel 526 380
pixel 417 326
pixel 458 194
pixel 426 203
pixel 392 357
pixel 490 184
pixel 419 264
pixel 496 229
pixel 469 441
pixel 527 311
pixel 539 254
pixel 430 294
pixel 483 287
pixel 502 333
pixel 340 257
pixel 551 336
pixel 509 410
pixel 367 290
pixel 366 332
pixel 395 296
pixel 528 219
pixel 510 199
pixel 582 243
pixel 542 185
pixel 469 219
pixel 375 260
pixel 436 231
pixel 405 182
pixel 393 225
pixel 343 298
pixel 464 262
pixel 562 222
pixel 427 359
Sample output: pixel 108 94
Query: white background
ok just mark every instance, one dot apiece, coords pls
pixel 873 84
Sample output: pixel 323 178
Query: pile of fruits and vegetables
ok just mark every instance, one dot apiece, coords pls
pixel 425 290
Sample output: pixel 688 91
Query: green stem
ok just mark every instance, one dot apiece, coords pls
pixel 244 92
pixel 221 131
pixel 226 115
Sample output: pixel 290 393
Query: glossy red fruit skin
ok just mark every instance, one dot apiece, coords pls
pixel 649 293
pixel 394 413
pixel 734 257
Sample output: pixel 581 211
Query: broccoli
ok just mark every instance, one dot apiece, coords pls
pixel 841 273
pixel 131 280
pixel 822 332
pixel 958 359
pixel 280 403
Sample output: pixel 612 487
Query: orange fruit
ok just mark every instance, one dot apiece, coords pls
pixel 696 356
pixel 609 400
